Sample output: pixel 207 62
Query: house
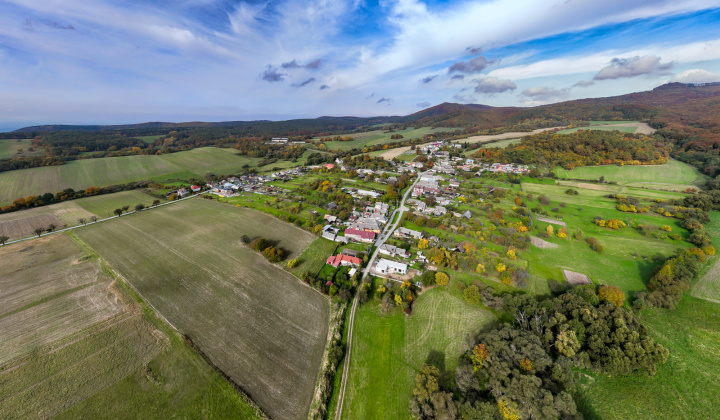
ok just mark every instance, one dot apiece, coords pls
pixel 330 218
pixel 407 233
pixel 344 260
pixel 182 192
pixel 195 188
pixel 330 232
pixel 332 206
pixel 454 183
pixel 393 251
pixel 360 235
pixel 367 224
pixel 440 211
pixel 391 267
pixel 467 215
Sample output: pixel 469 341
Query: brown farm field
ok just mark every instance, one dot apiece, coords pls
pixel 260 325
pixel 75 344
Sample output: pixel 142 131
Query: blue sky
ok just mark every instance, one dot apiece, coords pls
pixel 107 62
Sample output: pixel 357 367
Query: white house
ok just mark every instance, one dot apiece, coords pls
pixel 391 267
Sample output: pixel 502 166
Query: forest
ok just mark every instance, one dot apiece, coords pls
pixel 582 148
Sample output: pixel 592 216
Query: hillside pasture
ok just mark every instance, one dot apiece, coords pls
pixel 103 205
pixel 623 126
pixel 9 148
pixel 259 324
pixel 390 349
pixel 374 137
pixel 674 175
pixel 81 174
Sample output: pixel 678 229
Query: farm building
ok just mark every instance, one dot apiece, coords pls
pixel 359 235
pixel 392 251
pixel 391 267
pixel 344 260
pixel 408 233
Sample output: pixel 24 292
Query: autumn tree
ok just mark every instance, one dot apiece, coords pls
pixel 442 279
pixel 51 227
pixel 472 295
pixel 82 220
pixel 611 294
pixel 550 230
pixel 423 244
pixel 155 202
pixel 139 207
pixel 39 231
pixel 293 263
pixel 3 239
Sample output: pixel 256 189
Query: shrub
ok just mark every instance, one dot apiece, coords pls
pixel 442 279
pixel 472 295
pixel 591 240
pixel 611 294
pixel 543 200
pixel 598 248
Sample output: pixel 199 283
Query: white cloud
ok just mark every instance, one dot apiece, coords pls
pixel 696 76
pixel 648 65
pixel 544 94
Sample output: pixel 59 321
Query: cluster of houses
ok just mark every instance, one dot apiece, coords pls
pixel 507 168
pixel 253 183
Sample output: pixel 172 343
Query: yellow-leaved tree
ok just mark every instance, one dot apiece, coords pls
pixel 550 230
pixel 423 244
pixel 611 294
pixel 441 279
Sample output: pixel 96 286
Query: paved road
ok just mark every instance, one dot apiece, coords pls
pixel 381 240
pixel 100 220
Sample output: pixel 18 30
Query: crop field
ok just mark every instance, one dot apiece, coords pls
pixel 103 205
pixel 684 387
pixel 9 148
pixel 48 293
pixel 672 175
pixel 372 138
pixel 256 322
pixel 21 228
pixel 389 350
pixel 75 345
pixel 81 174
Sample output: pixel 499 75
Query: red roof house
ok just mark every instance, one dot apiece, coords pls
pixel 344 260
pixel 360 235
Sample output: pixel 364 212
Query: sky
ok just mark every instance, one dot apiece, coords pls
pixel 116 62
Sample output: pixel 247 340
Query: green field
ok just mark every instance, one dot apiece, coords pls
pixel 103 205
pixel 684 388
pixel 672 175
pixel 76 344
pixel 259 324
pixel 150 139
pixel 708 287
pixel 9 148
pixel 372 138
pixel 81 174
pixel 389 350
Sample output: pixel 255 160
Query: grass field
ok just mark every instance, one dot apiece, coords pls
pixel 314 257
pixel 150 139
pixel 81 174
pixel 372 138
pixel 22 223
pixel 76 344
pixel 685 387
pixel 9 148
pixel 672 175
pixel 259 324
pixel 708 287
pixel 389 350
pixel 612 127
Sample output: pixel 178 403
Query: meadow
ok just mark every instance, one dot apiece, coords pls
pixel 77 344
pixel 390 349
pixel 674 175
pixel 81 174
pixel 9 148
pixel 684 387
pixel 374 137
pixel 259 324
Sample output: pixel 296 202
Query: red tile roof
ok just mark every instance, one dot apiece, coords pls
pixel 361 233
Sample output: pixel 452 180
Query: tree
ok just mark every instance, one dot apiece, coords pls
pixel 423 244
pixel 39 231
pixel 293 263
pixel 550 230
pixel 51 227
pixel 3 239
pixel 155 203
pixel 94 218
pixel 500 267
pixel 82 220
pixel 611 294
pixel 442 279
pixel 472 295
pixel 125 208
pixel 118 212
pixel 480 268
pixel 139 207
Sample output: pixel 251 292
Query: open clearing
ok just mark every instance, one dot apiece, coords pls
pixel 674 175
pixel 624 126
pixel 389 350
pixel 372 138
pixel 9 148
pixel 256 322
pixel 708 287
pixel 683 388
pixel 81 174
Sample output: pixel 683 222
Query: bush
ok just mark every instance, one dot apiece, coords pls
pixel 543 200
pixel 598 248
pixel 591 240
pixel 442 279
pixel 472 295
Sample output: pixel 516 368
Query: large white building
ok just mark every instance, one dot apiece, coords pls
pixel 391 267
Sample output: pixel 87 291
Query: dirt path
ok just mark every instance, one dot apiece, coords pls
pixel 547 220
pixel 541 243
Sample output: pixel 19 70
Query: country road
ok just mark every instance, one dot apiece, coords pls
pixel 29 238
pixel 380 241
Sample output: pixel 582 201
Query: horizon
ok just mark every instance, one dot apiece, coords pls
pixel 211 61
